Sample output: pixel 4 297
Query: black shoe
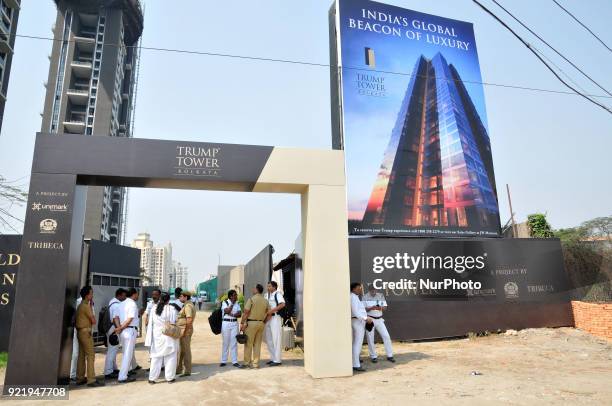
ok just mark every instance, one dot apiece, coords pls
pixel 151 382
pixel 358 369
pixel 237 365
pixel 374 360
pixel 138 368
pixel 172 381
pixel 131 373
pixel 275 364
pixel 390 359
pixel 148 370
pixel 116 371
pixel 270 362
pixel 222 364
pixel 95 384
pixel 111 376
pixel 128 380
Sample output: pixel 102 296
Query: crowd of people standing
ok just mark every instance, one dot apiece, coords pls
pixel 168 324
pixel 169 330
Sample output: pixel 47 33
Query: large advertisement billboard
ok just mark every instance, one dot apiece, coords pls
pixel 410 115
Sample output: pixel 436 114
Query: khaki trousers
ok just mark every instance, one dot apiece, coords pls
pixel 86 354
pixel 252 350
pixel 184 362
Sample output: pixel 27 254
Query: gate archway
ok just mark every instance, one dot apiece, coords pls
pixel 64 166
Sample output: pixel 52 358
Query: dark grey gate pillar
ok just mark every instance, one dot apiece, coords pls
pixel 49 276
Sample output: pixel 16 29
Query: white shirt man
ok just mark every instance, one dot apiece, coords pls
pixel 128 317
pixel 229 329
pixel 374 304
pixel 274 326
pixel 110 363
pixel 359 317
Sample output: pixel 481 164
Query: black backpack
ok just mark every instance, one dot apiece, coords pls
pixel 282 312
pixel 104 321
pixel 216 320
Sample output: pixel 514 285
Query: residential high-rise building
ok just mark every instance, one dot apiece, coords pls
pixel 155 261
pixel 179 278
pixel 9 14
pixel 91 90
pixel 437 169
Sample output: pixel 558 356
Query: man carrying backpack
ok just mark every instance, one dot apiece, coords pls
pixel 107 320
pixel 274 324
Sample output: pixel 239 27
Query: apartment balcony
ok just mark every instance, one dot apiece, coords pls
pixel 81 69
pixel 84 42
pixel 6 15
pixel 5 47
pixel 78 97
pixel 13 4
pixel 76 124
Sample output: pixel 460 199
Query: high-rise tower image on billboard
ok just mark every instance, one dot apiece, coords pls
pixel 408 109
pixel 437 170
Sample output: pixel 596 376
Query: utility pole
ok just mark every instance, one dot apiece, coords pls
pixel 511 213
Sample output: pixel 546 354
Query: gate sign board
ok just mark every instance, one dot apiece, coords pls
pixel 10 246
pixel 441 288
pixel 410 114
pixel 50 269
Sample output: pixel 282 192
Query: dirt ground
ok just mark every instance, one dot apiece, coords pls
pixel 534 366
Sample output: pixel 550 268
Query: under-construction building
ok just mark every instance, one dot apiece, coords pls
pixel 91 90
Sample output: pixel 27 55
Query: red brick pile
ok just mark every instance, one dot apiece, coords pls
pixel 594 318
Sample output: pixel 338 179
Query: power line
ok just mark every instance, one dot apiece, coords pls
pixel 306 63
pixel 540 58
pixel 551 47
pixel 580 22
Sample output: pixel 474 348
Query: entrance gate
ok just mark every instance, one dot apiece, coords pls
pixel 64 166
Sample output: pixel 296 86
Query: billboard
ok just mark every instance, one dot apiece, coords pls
pixel 409 112
pixel 450 287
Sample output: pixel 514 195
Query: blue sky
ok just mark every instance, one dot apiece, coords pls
pixel 554 150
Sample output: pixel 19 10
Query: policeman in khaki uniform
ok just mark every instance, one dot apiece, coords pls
pixel 83 323
pixel 185 322
pixel 255 313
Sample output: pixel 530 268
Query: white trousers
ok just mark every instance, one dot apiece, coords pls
pixel 75 355
pixel 274 337
pixel 170 367
pixel 128 342
pixel 379 325
pixel 229 330
pixel 110 362
pixel 358 326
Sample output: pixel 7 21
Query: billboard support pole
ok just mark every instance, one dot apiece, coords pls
pixel 511 213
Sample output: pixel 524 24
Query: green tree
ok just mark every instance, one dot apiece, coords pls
pixel 599 227
pixel 538 226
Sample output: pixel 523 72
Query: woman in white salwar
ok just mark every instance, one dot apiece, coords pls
pixel 164 349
